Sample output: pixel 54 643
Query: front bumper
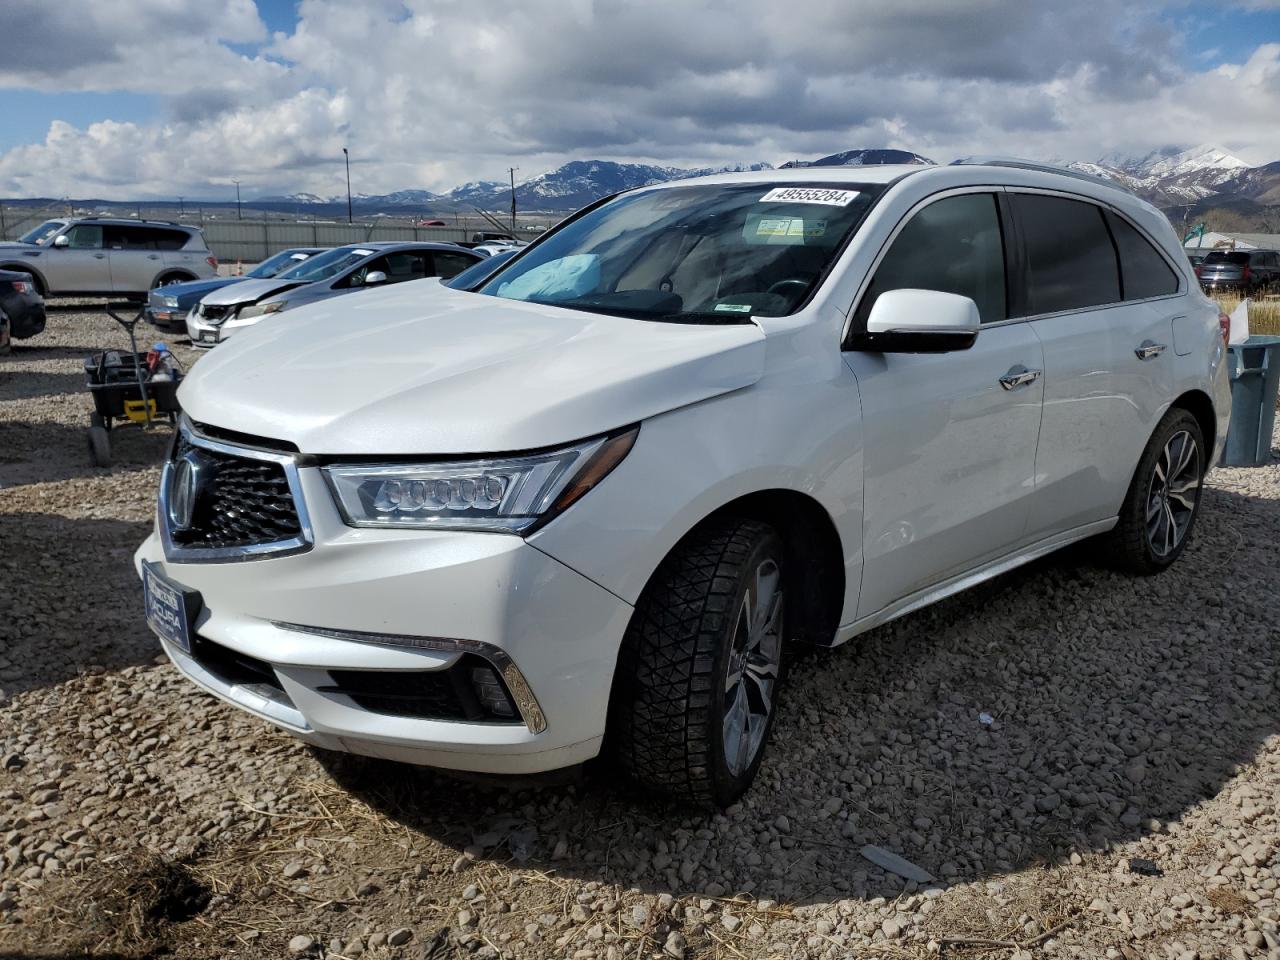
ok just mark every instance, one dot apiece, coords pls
pixel 168 319
pixel 560 629
pixel 26 319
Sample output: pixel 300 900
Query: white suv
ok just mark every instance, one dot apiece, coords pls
pixel 597 499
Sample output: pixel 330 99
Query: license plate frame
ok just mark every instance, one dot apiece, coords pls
pixel 170 607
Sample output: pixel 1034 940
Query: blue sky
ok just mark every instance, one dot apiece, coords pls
pixel 141 98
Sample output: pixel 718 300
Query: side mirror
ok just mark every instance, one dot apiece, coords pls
pixel 919 321
pixel 62 241
pixel 375 276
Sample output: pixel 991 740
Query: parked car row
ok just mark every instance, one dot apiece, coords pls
pixel 223 312
pixel 170 265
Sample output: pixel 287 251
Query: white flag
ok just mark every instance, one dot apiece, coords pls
pixel 1240 322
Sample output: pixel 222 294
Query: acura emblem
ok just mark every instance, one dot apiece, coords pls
pixel 183 489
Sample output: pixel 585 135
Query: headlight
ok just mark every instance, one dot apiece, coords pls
pixel 509 495
pixel 170 302
pixel 259 309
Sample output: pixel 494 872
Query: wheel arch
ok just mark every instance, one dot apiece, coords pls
pixel 1198 404
pixel 815 558
pixel 19 267
pixel 179 274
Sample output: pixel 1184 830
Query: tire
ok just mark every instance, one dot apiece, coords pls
pixel 689 655
pixel 99 446
pixel 1157 517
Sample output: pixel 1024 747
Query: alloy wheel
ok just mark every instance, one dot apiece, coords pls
pixel 1172 496
pixel 752 668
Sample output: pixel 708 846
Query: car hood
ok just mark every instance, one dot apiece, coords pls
pixel 11 244
pixel 423 369
pixel 248 291
pixel 194 288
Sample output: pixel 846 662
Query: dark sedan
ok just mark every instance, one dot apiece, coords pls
pixel 22 304
pixel 168 306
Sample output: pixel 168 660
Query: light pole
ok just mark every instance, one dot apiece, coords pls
pixel 512 171
pixel 237 183
pixel 347 157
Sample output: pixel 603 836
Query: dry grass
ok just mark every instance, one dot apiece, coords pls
pixel 1264 315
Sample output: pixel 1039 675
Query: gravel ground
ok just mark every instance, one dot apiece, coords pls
pixel 1088 765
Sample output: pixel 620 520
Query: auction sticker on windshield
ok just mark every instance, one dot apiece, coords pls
pixel 832 198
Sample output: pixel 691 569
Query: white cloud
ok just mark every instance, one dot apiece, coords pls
pixel 429 93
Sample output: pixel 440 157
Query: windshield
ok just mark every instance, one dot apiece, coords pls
pixel 696 254
pixel 285 260
pixel 477 272
pixel 1227 258
pixel 43 232
pixel 325 265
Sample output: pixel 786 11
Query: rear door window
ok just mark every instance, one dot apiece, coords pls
pixel 449 264
pixel 1143 272
pixel 1070 257
pixel 128 238
pixel 954 245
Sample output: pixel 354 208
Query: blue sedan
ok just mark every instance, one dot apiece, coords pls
pixel 167 306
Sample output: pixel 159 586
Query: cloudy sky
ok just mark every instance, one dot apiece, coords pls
pixel 155 98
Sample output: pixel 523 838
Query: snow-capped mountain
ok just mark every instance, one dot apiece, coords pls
pixel 1169 176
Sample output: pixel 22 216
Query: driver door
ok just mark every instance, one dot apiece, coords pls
pixel 83 266
pixel 949 450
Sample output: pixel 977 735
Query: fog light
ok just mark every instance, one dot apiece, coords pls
pixel 490 692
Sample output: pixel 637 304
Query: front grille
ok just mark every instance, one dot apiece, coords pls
pixel 449 694
pixel 239 501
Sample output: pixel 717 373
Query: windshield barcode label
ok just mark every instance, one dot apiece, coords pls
pixel 831 198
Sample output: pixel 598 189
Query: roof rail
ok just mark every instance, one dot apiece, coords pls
pixel 1018 163
pixel 171 223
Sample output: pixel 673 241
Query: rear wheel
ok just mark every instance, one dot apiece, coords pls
pixel 698 674
pixel 1164 497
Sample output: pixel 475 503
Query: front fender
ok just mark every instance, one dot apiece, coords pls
pixel 688 463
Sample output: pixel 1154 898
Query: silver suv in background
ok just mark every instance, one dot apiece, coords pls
pixel 98 256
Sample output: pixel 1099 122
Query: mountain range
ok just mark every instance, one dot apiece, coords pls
pixel 1201 183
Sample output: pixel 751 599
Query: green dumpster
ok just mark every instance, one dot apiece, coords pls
pixel 1255 381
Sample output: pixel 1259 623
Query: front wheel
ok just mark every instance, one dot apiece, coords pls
pixel 697 679
pixel 1164 497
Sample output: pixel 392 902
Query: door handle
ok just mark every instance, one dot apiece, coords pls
pixel 1148 350
pixel 153 256
pixel 99 256
pixel 1019 377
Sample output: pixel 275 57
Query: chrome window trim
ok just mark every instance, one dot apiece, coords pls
pixel 530 711
pixel 177 553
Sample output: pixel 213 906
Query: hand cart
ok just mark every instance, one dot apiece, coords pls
pixel 126 389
